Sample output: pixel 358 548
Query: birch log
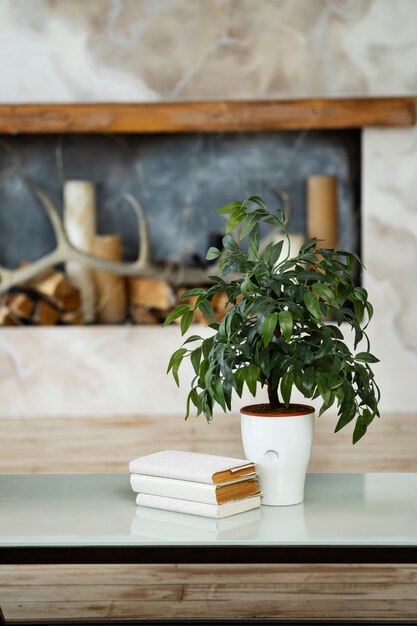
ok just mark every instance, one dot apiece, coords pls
pixel 111 292
pixel 80 226
pixel 322 211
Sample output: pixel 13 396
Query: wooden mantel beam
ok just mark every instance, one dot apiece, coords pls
pixel 232 116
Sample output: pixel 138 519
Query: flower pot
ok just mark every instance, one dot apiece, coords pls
pixel 280 444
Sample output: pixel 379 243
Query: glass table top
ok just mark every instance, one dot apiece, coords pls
pixel 100 510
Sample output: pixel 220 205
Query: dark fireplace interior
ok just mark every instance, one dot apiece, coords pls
pixel 179 179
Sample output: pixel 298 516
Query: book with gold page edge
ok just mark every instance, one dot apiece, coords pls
pixel 199 492
pixel 202 509
pixel 192 466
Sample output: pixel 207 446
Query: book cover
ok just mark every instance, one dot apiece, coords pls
pixel 192 466
pixel 198 492
pixel 218 511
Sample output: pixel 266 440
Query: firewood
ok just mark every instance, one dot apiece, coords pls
pixel 72 317
pixel 151 293
pixel 111 296
pixel 51 283
pixel 69 302
pixel 46 314
pixel 57 288
pixel 322 210
pixel 20 305
pixel 6 319
pixel 142 315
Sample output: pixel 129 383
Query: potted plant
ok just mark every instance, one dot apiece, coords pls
pixel 281 330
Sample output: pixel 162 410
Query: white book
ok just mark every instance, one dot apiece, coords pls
pixel 156 524
pixel 190 490
pixel 199 508
pixel 193 466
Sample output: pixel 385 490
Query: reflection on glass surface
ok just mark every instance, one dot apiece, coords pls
pixel 350 509
pixel 165 525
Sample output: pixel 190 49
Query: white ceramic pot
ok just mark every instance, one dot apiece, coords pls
pixel 280 445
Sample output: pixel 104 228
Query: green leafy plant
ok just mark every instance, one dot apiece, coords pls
pixel 282 329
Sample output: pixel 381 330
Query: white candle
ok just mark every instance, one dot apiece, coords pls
pixel 80 226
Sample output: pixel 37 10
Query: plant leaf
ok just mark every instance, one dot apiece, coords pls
pixel 234 220
pixel 251 377
pixel 191 339
pixel 207 310
pixel 212 253
pixel 177 312
pixel 323 291
pixel 309 378
pixel 286 387
pixel 195 359
pixel 248 288
pixel 175 362
pixel 286 324
pixel 177 356
pixel 257 200
pixel 239 379
pixel 186 320
pixel 197 291
pixel 248 225
pixel 229 208
pixel 254 240
pixel 366 357
pixel 268 327
pixel 219 394
pixel 312 305
pixel 275 252
pixel 229 243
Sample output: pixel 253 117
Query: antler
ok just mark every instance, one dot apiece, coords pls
pixel 66 251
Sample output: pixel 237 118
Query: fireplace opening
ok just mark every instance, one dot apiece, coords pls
pixel 180 180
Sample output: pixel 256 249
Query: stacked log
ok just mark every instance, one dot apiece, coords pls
pixel 51 300
pixel 111 294
pixel 150 300
pixel 47 300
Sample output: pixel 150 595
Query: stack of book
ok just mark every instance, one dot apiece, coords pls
pixel 198 484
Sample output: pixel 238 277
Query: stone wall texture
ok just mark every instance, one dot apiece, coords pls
pixel 141 50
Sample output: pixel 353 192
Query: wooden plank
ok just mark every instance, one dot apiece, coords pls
pixel 232 116
pixel 127 575
pixel 292 591
pixel 278 608
pixel 87 593
pixel 357 604
pixel 105 445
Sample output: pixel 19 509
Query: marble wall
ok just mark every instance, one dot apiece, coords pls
pixel 138 50
pixel 389 241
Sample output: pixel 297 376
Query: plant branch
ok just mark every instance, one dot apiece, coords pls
pixel 273 396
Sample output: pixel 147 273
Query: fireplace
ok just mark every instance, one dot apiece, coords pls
pixel 99 366
pixel 178 178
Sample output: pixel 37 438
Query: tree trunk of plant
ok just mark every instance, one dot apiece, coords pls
pixel 273 397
